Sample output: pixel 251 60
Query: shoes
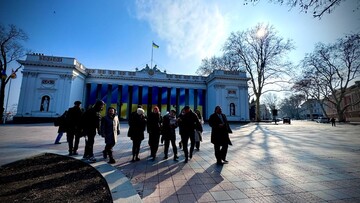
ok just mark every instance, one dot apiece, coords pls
pixel 70 154
pixel 104 154
pixel 165 157
pixel 57 143
pixel 85 157
pixel 190 156
pixel 180 145
pixel 225 161
pixel 92 160
pixel 197 149
pixel 75 153
pixel 186 160
pixel 175 158
pixel 111 161
pixel 219 163
pixel 137 159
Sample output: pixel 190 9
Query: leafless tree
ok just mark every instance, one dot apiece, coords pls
pixel 271 100
pixel 329 70
pixel 11 50
pixel 317 7
pixel 261 52
pixel 291 106
pixel 225 62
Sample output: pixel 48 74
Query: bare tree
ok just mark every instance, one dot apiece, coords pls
pixel 11 50
pixel 225 62
pixel 319 7
pixel 271 100
pixel 291 106
pixel 304 87
pixel 261 52
pixel 330 69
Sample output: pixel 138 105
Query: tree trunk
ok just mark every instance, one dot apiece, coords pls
pixel 341 115
pixel 257 114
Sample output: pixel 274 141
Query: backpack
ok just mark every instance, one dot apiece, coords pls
pixel 60 120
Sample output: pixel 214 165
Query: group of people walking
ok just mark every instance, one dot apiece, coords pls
pixel 190 123
pixel 87 124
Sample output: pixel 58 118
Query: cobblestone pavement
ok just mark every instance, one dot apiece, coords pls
pixel 301 162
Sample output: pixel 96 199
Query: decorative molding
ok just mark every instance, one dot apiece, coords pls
pixel 32 74
pixel 48 83
pixel 66 76
pixel 219 86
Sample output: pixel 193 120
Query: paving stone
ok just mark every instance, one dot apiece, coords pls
pixel 301 162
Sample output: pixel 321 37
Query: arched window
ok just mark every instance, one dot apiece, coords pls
pixel 45 103
pixel 232 109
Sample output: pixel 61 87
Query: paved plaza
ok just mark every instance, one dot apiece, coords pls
pixel 301 162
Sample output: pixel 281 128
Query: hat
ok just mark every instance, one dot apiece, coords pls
pixel 77 103
pixel 140 111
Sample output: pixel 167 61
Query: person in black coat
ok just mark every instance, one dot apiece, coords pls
pixel 73 125
pixel 137 126
pixel 220 130
pixel 61 122
pixel 169 134
pixel 91 123
pixel 188 123
pixel 154 122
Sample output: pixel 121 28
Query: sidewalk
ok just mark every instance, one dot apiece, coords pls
pixel 25 140
pixel 301 162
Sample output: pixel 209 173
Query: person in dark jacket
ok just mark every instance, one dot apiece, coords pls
pixel 137 126
pixel 91 124
pixel 154 122
pixel 188 123
pixel 198 133
pixel 62 127
pixel 169 134
pixel 220 130
pixel 110 129
pixel 73 125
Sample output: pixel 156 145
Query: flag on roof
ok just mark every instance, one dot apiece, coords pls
pixel 155 45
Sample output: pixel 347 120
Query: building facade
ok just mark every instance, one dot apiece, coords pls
pixel 351 101
pixel 50 85
pixel 311 109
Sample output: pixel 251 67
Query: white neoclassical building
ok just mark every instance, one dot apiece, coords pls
pixel 50 85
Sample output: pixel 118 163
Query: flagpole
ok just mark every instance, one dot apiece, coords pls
pixel 152 51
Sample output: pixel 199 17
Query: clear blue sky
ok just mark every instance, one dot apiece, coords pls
pixel 117 34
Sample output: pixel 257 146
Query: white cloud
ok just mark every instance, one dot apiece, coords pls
pixel 190 28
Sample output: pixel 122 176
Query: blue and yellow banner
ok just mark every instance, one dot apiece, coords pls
pixel 124 101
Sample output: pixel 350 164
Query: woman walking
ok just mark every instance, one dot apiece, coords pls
pixel 110 129
pixel 154 123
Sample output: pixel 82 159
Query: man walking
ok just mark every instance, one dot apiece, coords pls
pixel 220 130
pixel 188 122
pixel 169 134
pixel 91 123
pixel 73 119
